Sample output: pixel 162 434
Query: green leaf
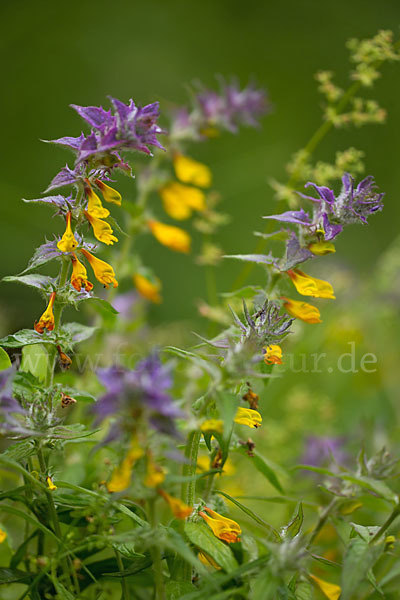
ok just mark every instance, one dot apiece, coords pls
pixel 41 282
pixel 62 592
pixel 78 332
pixel 22 550
pixel 8 576
pixel 5 362
pixel 359 558
pixel 176 589
pixel 127 549
pixel 263 467
pixel 304 591
pixel 27 336
pixel 20 450
pixel 251 514
pixel 35 359
pixel 245 292
pixel 295 523
pixel 227 405
pixel 19 513
pixel 102 307
pixel 201 536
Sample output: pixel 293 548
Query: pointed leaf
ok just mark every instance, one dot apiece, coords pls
pixel 201 536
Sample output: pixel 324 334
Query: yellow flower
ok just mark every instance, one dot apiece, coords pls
pixel 155 474
pixel 212 425
pixel 310 286
pixel 3 536
pixel 102 270
pixel 179 200
pixel 147 288
pixel 68 241
pixel 223 528
pixel 95 207
pixel 320 248
pixel 50 484
pixel 101 229
pixel 207 560
pixel 121 475
pixel 273 354
pixel 249 417
pixel 173 237
pixel 179 509
pixel 330 590
pixel 79 278
pixel 192 171
pixel 302 310
pixel 109 194
pixel 46 321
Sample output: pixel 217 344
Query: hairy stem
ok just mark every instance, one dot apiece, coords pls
pixel 321 521
pixel 156 557
pixel 124 583
pixel 394 514
pixel 58 309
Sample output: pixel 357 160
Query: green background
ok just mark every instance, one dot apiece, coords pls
pixel 55 54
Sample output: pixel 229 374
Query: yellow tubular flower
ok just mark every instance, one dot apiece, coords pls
pixel 109 194
pixel 179 509
pixel 121 475
pixel 273 355
pixel 179 200
pixel 302 310
pixel 249 417
pixel 101 229
pixel 95 207
pixel 320 248
pixel 147 288
pixel 3 536
pixel 330 590
pixel 46 321
pixel 155 474
pixel 207 560
pixel 212 425
pixel 68 242
pixel 192 171
pixel 173 237
pixel 310 286
pixel 79 278
pixel 102 270
pixel 223 528
pixel 50 484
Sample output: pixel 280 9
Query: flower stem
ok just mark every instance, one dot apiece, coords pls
pixel 322 520
pixel 58 309
pixel 394 514
pixel 188 491
pixel 124 583
pixel 156 557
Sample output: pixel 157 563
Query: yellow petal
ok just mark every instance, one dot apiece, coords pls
pixel 249 417
pixel 223 528
pixel 302 310
pixel 273 354
pixel 311 286
pixel 179 509
pixel 173 237
pixel 330 590
pixel 68 242
pixel 50 484
pixel 3 536
pixel 192 171
pixel 102 230
pixel 109 194
pixel 211 425
pixel 207 560
pixel 148 288
pixel 179 200
pixel 102 270
pixel 320 248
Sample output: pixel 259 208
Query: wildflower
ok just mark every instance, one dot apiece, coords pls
pixel 191 171
pixel 79 278
pixel 109 194
pixel 207 560
pixel 95 207
pixel 46 321
pixel 148 288
pixel 179 200
pixel 273 354
pixel 102 270
pixel 68 241
pixel 310 286
pixel 223 528
pixel 173 237
pixel 3 536
pixel 320 450
pixel 321 247
pixel 101 229
pixel 143 390
pixel 249 417
pixel 121 476
pixel 302 310
pixel 50 484
pixel 155 474
pixel 330 590
pixel 179 509
pixel 212 426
